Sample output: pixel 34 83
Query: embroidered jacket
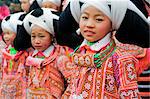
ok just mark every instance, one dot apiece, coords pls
pixel 143 56
pixel 14 75
pixel 100 71
pixel 45 80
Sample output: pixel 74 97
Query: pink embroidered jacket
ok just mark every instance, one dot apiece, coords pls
pixel 13 75
pixel 113 77
pixel 45 81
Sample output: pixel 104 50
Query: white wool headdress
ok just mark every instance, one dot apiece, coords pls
pixel 117 12
pixel 56 2
pixel 76 9
pixel 44 21
pixel 12 22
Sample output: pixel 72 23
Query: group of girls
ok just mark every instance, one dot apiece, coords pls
pixel 80 53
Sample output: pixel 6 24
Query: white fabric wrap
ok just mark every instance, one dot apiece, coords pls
pixel 76 9
pixel 117 12
pixel 45 21
pixel 56 2
pixel 11 24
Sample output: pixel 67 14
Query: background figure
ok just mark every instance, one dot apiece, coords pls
pixel 53 4
pixel 29 5
pixel 14 6
pixel 4 10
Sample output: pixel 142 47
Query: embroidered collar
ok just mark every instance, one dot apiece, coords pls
pixel 96 59
pixel 46 53
pixel 98 45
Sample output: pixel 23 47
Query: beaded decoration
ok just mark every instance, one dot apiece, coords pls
pixel 99 58
pixel 93 60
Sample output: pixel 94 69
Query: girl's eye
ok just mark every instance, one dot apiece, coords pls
pixel 99 20
pixel 42 36
pixel 33 36
pixel 6 32
pixel 84 17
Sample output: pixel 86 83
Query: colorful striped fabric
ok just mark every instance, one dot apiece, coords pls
pixel 144 84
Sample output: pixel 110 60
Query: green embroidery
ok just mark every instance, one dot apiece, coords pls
pixel 90 43
pixel 42 57
pixel 12 51
pixel 11 63
pixel 100 58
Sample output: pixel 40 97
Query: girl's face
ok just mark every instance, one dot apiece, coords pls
pixel 51 5
pixel 8 37
pixel 25 5
pixel 94 25
pixel 40 38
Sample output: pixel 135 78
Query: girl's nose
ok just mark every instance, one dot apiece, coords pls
pixel 37 40
pixel 90 23
pixel 5 36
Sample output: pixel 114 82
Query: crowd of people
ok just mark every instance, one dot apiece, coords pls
pixel 74 49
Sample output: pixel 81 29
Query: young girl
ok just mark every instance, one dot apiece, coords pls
pixel 45 80
pixel 14 74
pixel 101 70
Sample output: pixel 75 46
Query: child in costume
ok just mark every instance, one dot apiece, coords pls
pixel 13 62
pixel 100 69
pixel 53 4
pixel 45 80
